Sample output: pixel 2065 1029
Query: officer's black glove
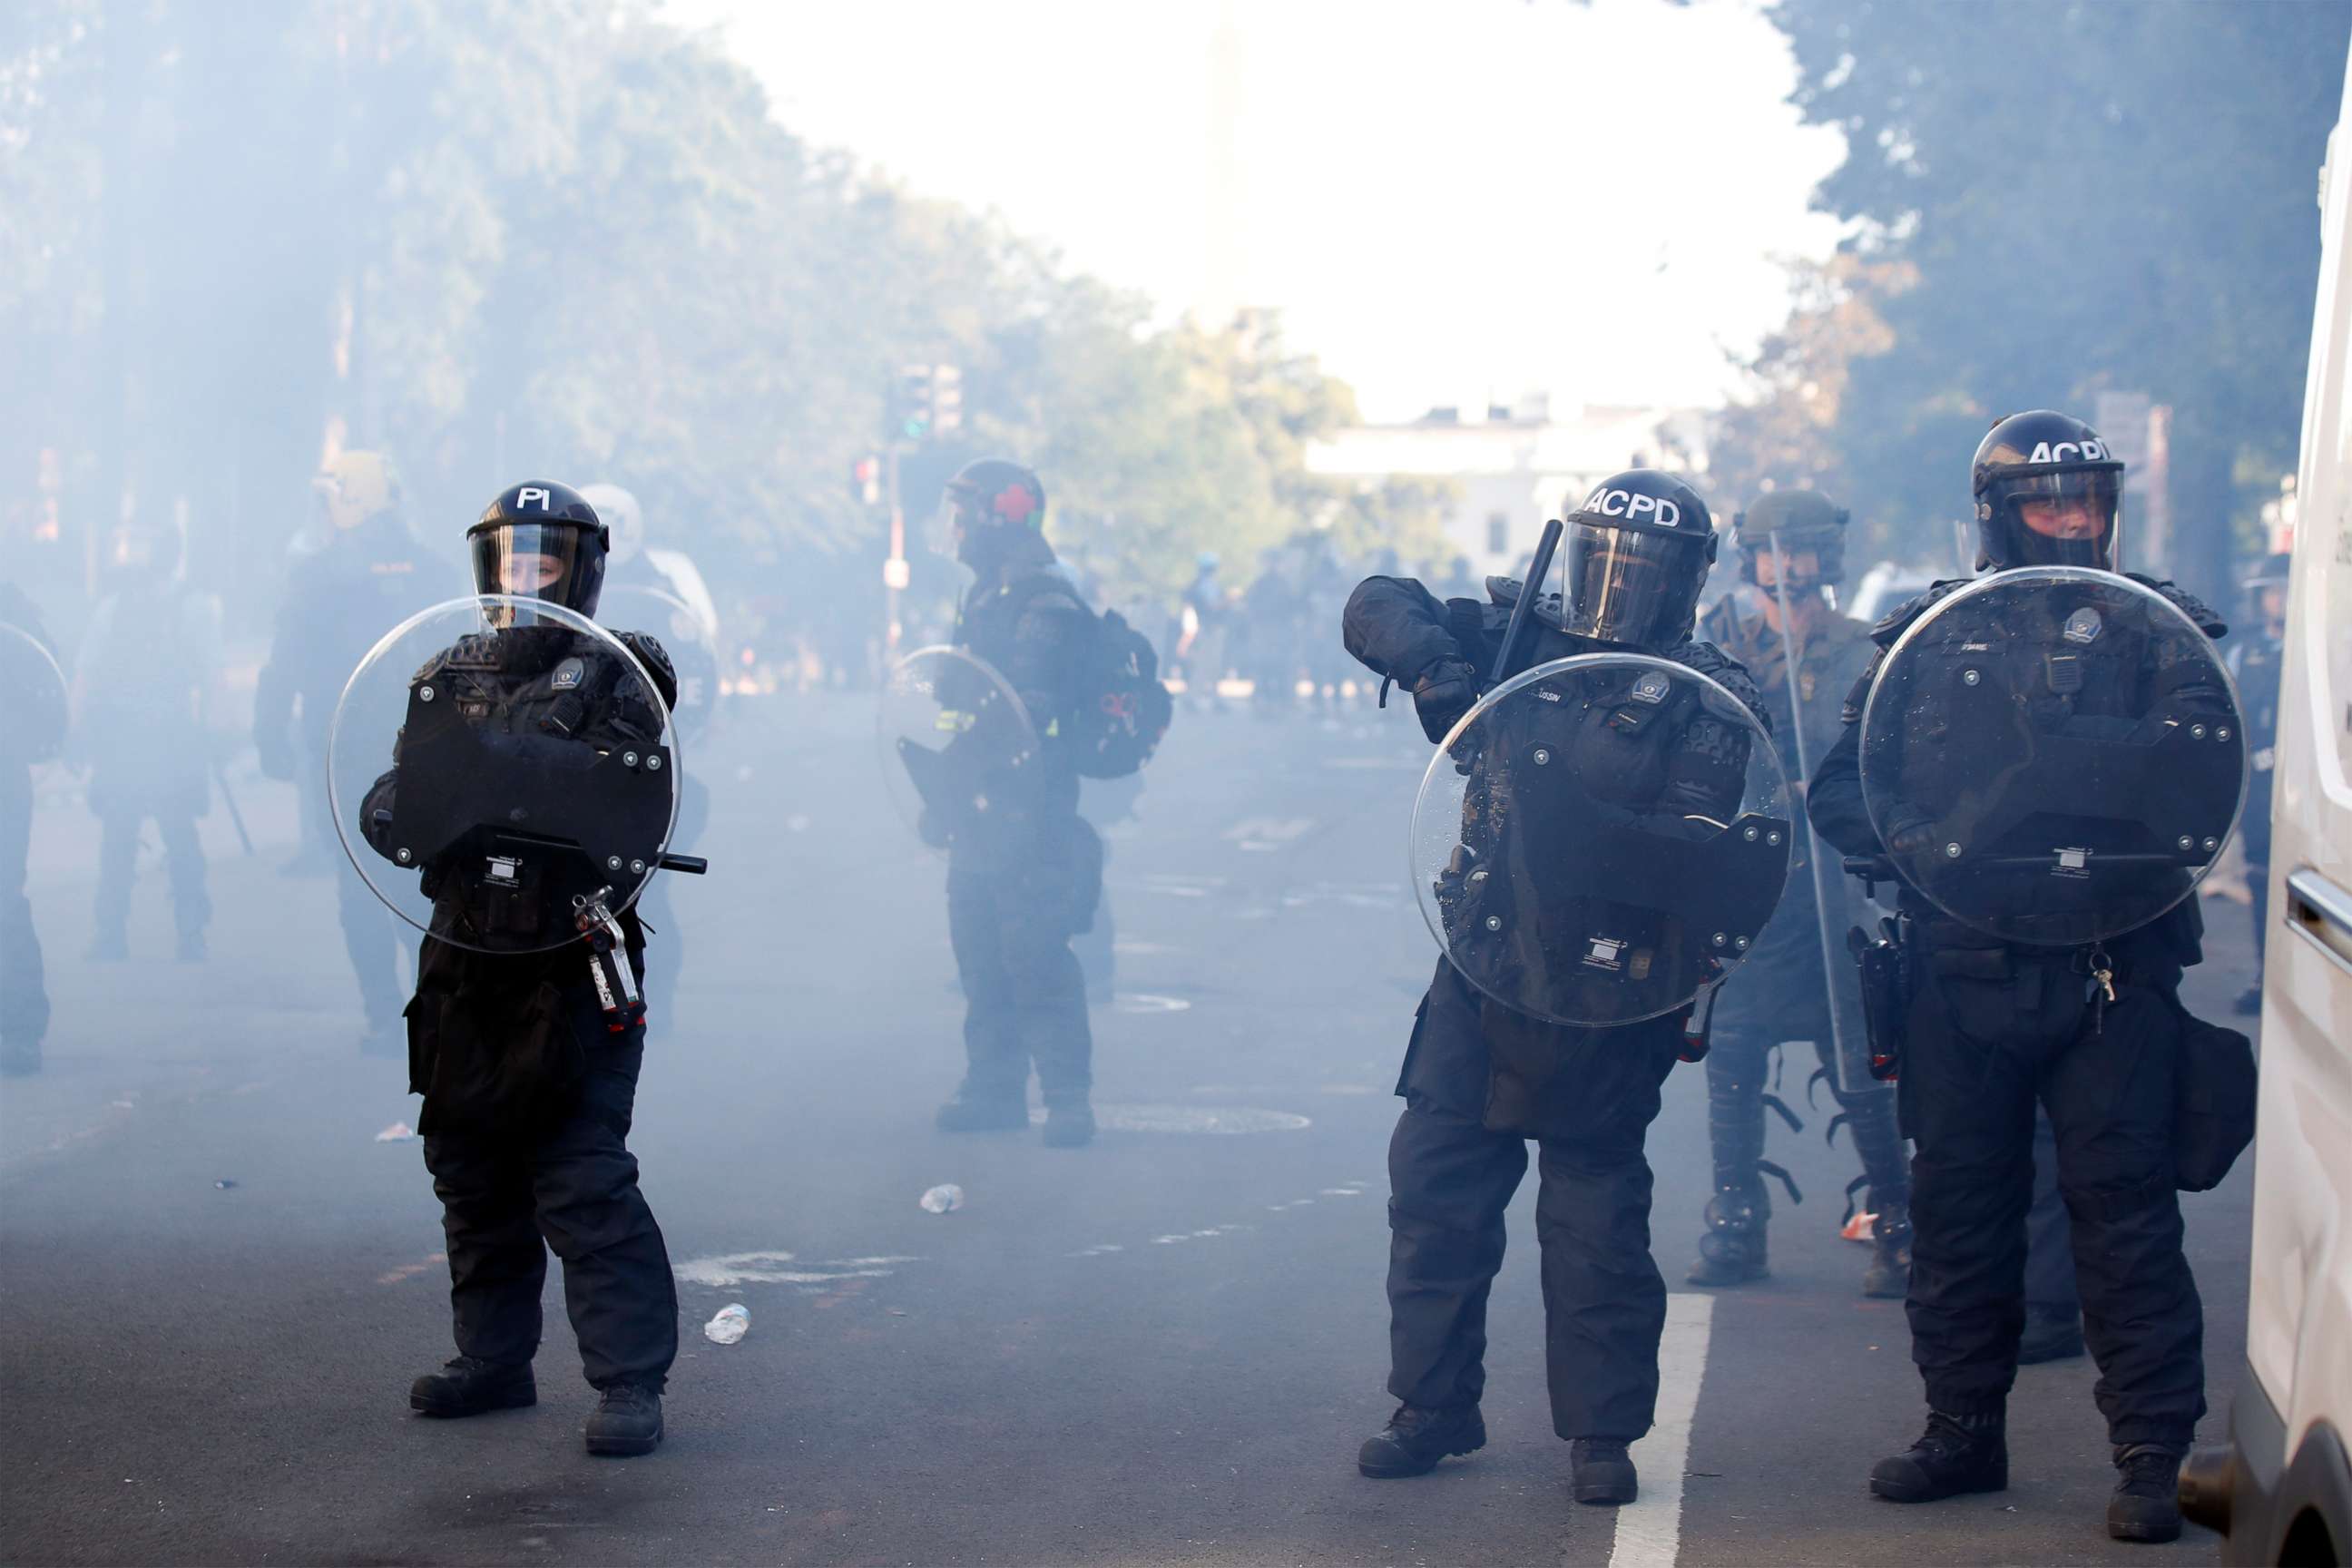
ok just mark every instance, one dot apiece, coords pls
pixel 1910 832
pixel 1445 692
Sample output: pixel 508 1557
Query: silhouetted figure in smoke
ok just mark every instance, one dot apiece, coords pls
pixel 146 672
pixel 34 734
pixel 371 575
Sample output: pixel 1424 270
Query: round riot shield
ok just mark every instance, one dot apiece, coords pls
pixel 955 739
pixel 1600 838
pixel 2053 755
pixel 503 774
pixel 37 689
pixel 686 636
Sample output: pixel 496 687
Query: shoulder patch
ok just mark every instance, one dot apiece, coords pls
pixel 1725 671
pixel 1898 620
pixel 2189 604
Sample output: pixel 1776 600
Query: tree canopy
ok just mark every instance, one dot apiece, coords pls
pixel 560 238
pixel 2047 201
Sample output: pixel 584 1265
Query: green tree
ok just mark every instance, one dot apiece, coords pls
pixel 2089 196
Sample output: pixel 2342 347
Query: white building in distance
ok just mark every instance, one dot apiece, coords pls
pixel 1513 468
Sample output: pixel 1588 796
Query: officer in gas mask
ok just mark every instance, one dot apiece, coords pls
pixel 370 573
pixel 528 1071
pixel 1026 876
pixel 1804 655
pixel 2093 1030
pixel 1480 1079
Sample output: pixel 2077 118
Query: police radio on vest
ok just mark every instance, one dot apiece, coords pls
pixel 2082 452
pixel 1635 508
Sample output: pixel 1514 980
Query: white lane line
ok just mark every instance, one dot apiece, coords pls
pixel 1650 1529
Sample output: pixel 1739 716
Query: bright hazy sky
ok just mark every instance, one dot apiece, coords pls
pixel 1445 198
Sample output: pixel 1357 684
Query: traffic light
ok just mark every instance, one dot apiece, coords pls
pixel 866 480
pixel 947 398
pixel 925 400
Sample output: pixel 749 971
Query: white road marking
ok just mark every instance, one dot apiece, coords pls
pixel 1139 1002
pixel 1267 832
pixel 1217 1120
pixel 1650 1528
pixel 768 1269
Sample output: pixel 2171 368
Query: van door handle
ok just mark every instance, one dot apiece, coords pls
pixel 2320 911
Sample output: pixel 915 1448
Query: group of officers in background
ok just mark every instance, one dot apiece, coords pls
pixel 2048 1085
pixel 2033 1104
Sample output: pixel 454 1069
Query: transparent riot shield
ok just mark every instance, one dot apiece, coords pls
pixel 688 636
pixel 955 738
pixel 1816 692
pixel 2053 755
pixel 37 689
pixel 1601 838
pixel 503 775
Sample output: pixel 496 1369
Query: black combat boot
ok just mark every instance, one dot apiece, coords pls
pixel 1601 1471
pixel 2052 1334
pixel 1956 1454
pixel 1869 1117
pixel 470 1385
pixel 1416 1437
pixel 969 1112
pixel 1888 1278
pixel 1731 1249
pixel 626 1420
pixel 1070 1125
pixel 2146 1502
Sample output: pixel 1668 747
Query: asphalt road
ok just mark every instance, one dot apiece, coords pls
pixel 1163 1349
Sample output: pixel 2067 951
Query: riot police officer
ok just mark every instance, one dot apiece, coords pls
pixel 371 573
pixel 1990 1026
pixel 28 669
pixel 1804 657
pixel 1026 878
pixel 1480 1079
pixel 529 1083
pixel 146 683
pixel 2257 664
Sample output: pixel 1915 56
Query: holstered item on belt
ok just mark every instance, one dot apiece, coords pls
pixel 1886 994
pixel 1698 1026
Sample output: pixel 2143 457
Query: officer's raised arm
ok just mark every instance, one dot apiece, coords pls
pixel 1401 631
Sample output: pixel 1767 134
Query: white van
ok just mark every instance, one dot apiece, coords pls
pixel 2281 1489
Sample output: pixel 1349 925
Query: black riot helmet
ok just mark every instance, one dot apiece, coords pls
pixel 1634 559
pixel 539 539
pixel 1802 523
pixel 2049 493
pixel 988 500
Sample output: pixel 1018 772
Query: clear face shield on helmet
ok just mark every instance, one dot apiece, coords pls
pixel 559 564
pixel 1627 586
pixel 957 526
pixel 2064 520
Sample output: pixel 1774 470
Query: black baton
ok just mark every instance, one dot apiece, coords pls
pixel 1537 570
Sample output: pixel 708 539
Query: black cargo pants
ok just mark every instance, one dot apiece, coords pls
pixel 1991 1030
pixel 506 1200
pixel 1450 1180
pixel 1012 906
